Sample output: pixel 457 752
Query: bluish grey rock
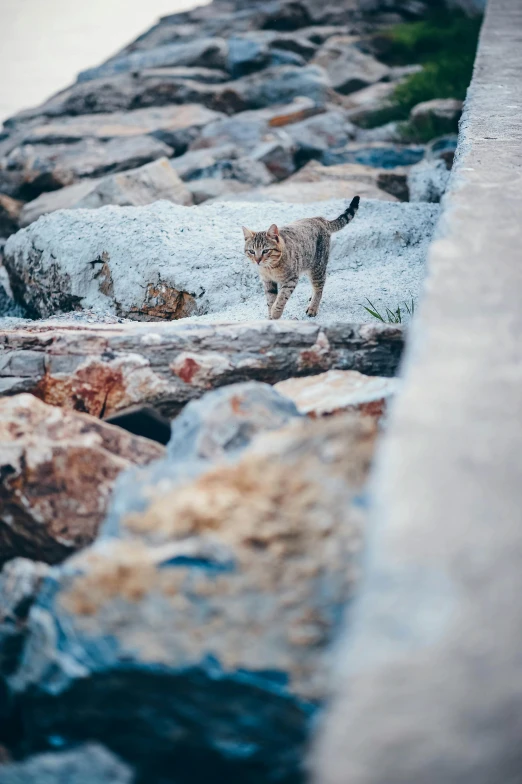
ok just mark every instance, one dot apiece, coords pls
pixel 203 53
pixel 89 764
pixel 196 643
pixel 246 55
pixel 382 156
pixel 428 180
pixel 32 169
pixel 218 426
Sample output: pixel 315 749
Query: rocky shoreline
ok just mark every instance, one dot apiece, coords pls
pixel 183 483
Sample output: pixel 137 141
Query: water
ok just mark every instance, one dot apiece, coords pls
pixel 44 43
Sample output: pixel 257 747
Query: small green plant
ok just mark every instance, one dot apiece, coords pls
pixel 391 316
pixel 445 45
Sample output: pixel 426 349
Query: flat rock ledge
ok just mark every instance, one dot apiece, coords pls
pixel 106 369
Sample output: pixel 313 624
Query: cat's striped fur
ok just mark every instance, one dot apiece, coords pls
pixel 283 255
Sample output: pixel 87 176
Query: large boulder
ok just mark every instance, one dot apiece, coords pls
pixel 348 68
pixel 57 472
pixel 176 126
pixel 393 182
pixel 88 764
pixel 362 104
pixel 428 180
pixel 213 188
pixel 193 163
pixel 318 134
pixel 436 117
pixel 340 391
pixel 136 187
pixel 31 169
pixel 205 53
pixel 197 642
pixel 157 262
pixel 165 86
pixel 305 192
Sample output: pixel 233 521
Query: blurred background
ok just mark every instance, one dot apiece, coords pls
pixel 44 43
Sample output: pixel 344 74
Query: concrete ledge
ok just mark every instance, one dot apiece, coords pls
pixel 430 686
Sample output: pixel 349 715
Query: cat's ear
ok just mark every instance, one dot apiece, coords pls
pixel 273 232
pixel 248 234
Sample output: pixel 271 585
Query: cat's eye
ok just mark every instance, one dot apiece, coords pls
pixel 266 250
pixel 250 252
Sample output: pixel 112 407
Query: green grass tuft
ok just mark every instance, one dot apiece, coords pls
pixel 445 44
pixel 389 316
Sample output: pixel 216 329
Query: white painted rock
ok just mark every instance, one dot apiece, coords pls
pixel 164 261
pixel 340 391
pixel 428 180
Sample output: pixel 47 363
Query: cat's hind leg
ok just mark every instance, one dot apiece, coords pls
pixel 271 294
pixel 315 300
pixel 317 273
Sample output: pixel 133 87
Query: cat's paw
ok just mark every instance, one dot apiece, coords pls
pixel 311 312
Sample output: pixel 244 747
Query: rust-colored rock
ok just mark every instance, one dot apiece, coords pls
pixel 214 611
pixel 9 215
pixel 340 391
pixel 57 470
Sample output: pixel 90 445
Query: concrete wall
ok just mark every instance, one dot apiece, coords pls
pixel 429 687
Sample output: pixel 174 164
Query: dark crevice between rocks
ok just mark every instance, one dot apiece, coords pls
pixel 143 421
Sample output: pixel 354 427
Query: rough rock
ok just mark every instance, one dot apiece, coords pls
pixel 282 84
pixel 58 470
pixel 439 116
pixel 443 148
pixel 191 165
pixel 217 427
pixel 164 87
pixel 89 764
pixel 248 129
pixel 348 68
pixel 246 55
pixel 9 215
pixel 8 307
pixel 156 262
pixel 202 53
pixel 32 169
pixel 20 582
pixel 383 156
pixel 390 132
pixel 360 105
pixel 340 391
pixel 212 188
pixel 324 189
pixel 136 187
pixel 253 51
pixel 177 126
pixel 157 625
pixel 94 364
pixel 392 181
pixel 246 170
pixel 277 155
pixel 428 180
pixel 320 133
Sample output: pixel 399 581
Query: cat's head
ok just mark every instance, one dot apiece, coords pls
pixel 263 248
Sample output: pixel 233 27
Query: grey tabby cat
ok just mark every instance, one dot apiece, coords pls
pixel 283 255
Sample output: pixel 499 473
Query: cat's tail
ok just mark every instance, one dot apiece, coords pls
pixel 347 216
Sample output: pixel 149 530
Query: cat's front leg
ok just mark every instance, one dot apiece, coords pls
pixel 282 298
pixel 271 294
